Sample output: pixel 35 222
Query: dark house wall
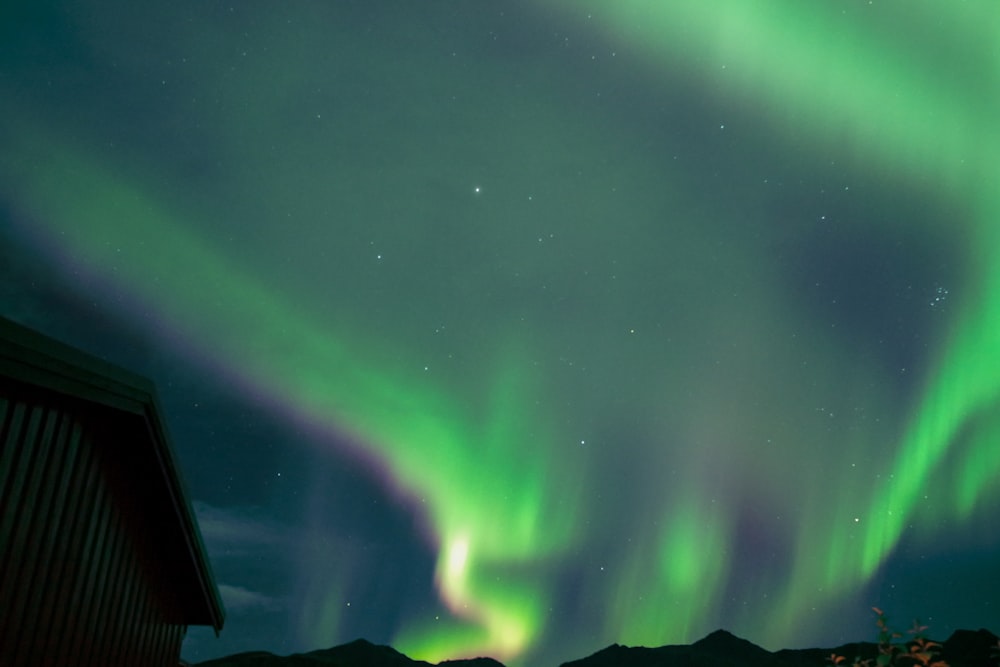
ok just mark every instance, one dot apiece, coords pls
pixel 101 562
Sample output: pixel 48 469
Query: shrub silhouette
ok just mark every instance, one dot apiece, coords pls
pixel 917 651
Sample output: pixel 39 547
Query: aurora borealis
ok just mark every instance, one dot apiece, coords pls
pixel 522 328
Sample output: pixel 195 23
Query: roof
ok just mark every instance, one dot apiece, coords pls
pixel 33 359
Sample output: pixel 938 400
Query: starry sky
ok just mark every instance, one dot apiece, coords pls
pixel 522 328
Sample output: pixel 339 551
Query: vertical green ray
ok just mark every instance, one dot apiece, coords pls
pixel 835 78
pixel 668 587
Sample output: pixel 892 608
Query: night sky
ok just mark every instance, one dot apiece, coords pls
pixel 522 328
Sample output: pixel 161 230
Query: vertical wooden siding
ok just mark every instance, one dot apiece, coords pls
pixel 75 560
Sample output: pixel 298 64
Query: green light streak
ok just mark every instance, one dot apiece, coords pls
pixel 980 472
pixel 966 386
pixel 823 71
pixel 461 463
pixel 503 621
pixel 836 76
pixel 670 589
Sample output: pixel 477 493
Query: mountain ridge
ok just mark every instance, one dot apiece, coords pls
pixel 720 648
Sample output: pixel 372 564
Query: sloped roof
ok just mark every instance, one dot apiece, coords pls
pixel 38 361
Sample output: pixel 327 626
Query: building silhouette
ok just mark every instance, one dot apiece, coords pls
pixel 101 559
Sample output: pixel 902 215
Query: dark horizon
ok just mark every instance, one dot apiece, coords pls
pixel 963 648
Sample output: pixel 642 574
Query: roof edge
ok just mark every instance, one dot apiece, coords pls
pixel 34 358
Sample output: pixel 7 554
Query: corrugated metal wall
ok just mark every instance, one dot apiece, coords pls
pixel 78 577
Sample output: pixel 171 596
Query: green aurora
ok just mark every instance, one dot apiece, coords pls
pixel 568 350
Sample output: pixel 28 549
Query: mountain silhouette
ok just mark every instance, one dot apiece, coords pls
pixel 358 653
pixel 965 648
pixel 723 649
pixel 718 649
